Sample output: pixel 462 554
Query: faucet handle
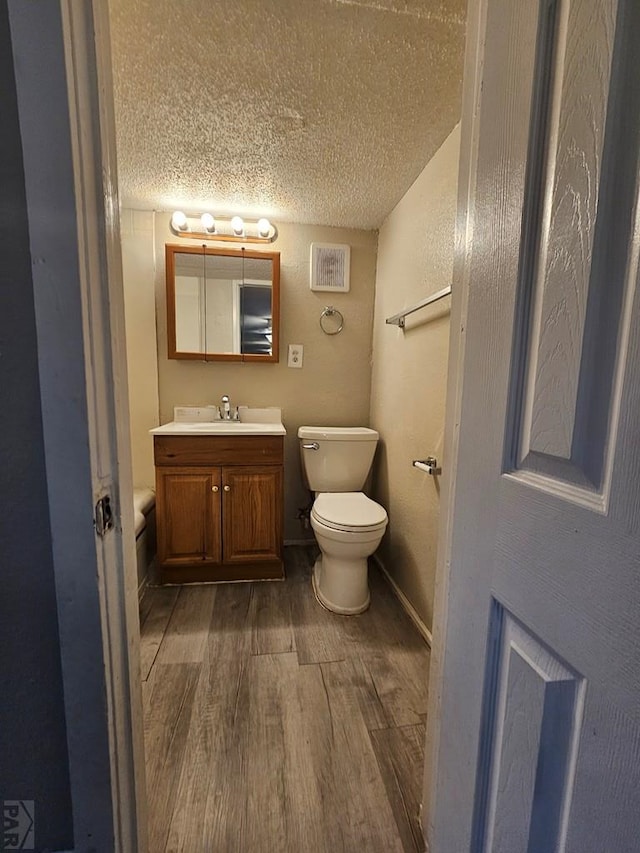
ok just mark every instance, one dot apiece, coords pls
pixel 226 408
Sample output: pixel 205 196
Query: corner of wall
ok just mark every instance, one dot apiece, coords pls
pixel 409 373
pixel 138 264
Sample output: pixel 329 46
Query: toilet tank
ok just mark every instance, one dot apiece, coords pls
pixel 342 459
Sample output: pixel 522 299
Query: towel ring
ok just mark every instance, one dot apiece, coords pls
pixel 330 311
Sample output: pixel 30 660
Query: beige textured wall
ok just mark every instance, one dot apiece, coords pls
pixel 140 323
pixel 415 258
pixel 333 386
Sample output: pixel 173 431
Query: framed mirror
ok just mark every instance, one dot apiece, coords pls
pixel 222 304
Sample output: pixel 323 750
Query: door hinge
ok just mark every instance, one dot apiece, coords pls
pixel 103 518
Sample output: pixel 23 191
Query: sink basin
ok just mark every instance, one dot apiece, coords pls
pixel 218 428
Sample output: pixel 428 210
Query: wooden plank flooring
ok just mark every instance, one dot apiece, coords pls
pixel 274 726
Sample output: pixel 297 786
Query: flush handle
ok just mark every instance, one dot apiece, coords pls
pixel 312 446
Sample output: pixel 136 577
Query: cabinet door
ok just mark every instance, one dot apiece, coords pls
pixel 252 513
pixel 188 504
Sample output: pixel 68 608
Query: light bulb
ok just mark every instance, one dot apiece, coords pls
pixel 179 221
pixel 208 222
pixel 264 226
pixel 238 225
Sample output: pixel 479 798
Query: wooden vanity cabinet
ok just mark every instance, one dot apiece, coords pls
pixel 219 507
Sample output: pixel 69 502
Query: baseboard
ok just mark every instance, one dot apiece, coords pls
pixel 309 541
pixel 406 604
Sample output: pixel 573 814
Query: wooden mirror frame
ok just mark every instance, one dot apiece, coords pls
pixel 171 250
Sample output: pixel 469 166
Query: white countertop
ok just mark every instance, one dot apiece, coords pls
pixel 218 428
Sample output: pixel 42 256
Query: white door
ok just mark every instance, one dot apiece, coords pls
pixel 536 746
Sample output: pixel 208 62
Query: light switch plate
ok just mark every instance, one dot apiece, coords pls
pixel 296 353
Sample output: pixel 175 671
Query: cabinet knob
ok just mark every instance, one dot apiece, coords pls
pixel 227 488
pixel 215 488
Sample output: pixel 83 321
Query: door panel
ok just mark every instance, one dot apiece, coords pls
pixel 252 513
pixel 189 513
pixel 532 719
pixel 539 742
pixel 579 201
pixel 578 40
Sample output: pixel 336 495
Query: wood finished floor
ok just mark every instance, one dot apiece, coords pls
pixel 272 725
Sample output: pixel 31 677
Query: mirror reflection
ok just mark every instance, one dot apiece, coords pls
pixel 222 304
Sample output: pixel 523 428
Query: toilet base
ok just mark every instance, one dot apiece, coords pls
pixel 341 587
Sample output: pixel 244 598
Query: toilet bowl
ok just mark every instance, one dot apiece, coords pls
pixel 348 527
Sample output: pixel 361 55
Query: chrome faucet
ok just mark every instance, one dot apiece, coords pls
pixel 226 409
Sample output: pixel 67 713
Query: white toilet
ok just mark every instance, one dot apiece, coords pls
pixel 348 525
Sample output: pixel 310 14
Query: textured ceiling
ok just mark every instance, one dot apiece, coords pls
pixel 308 111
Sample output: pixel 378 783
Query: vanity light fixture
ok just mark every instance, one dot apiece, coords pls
pixel 208 223
pixel 179 221
pixel 264 226
pixel 224 228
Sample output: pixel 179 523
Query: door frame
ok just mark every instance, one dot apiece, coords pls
pixel 467 173
pixel 62 62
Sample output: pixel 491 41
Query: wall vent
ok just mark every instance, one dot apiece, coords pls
pixel 330 267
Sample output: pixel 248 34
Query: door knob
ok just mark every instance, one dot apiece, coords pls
pixel 227 488
pixel 215 488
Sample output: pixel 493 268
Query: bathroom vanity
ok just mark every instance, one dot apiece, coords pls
pixel 219 500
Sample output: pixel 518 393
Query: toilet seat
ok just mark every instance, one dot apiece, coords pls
pixel 349 512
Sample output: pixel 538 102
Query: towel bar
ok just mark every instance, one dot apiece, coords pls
pixel 398 319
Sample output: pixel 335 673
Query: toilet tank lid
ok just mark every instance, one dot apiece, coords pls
pixel 324 433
